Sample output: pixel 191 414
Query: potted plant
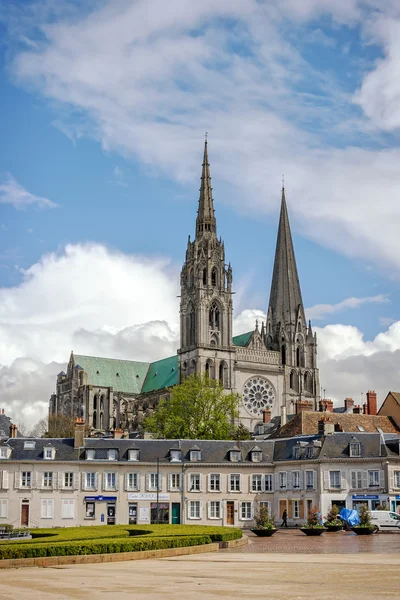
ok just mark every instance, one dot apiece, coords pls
pixel 313 525
pixel 333 523
pixel 265 526
pixel 365 527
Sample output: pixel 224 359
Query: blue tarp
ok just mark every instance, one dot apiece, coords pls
pixel 351 516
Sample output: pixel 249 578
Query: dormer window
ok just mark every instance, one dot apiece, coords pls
pixel 49 453
pixel 175 455
pixel 297 452
pixel 133 454
pixel 256 456
pixel 355 449
pixel 235 455
pixel 195 455
pixel 112 454
pixel 90 454
pixel 309 452
pixel 5 452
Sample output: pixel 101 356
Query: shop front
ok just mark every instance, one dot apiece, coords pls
pixel 103 507
pixel 152 508
pixel 395 505
pixel 370 501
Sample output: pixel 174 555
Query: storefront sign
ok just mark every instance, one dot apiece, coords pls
pixel 149 497
pixel 397 497
pixel 365 497
pixel 100 498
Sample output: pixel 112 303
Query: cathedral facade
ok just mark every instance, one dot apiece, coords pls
pixel 273 368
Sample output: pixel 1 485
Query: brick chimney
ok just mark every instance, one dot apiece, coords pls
pixel 267 415
pixel 326 406
pixel 357 409
pixel 371 403
pixel 348 404
pixel 79 438
pixel 325 426
pixel 118 433
pixel 13 431
pixel 365 409
pixel 304 405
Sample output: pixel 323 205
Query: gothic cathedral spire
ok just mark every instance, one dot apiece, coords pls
pixel 205 214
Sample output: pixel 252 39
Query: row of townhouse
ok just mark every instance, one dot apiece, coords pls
pixel 65 482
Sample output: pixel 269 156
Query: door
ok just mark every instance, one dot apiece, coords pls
pixel 25 514
pixel 111 513
pixel 230 513
pixel 176 513
pixel 132 514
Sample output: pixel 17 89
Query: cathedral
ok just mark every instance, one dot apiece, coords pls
pixel 273 368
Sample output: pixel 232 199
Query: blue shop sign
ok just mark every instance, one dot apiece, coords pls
pixel 397 497
pixel 365 497
pixel 100 498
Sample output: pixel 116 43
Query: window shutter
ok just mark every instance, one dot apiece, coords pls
pixel 34 479
pixel 96 481
pixel 353 479
pixel 188 509
pixel 208 482
pixel 364 479
pixel 290 509
pixel 392 480
pixel 170 482
pixel 301 480
pixel 289 480
pixel 201 482
pixel 301 509
pixel 60 480
pixel 75 482
pixel 139 478
pixel 4 480
pixel 4 509
pixel 327 482
pixel 160 482
pixel 252 510
pixel 208 510
pixel 43 509
pixel 39 481
pixel 17 480
pixel 250 483
pixel 105 482
pixel 277 481
pixel 148 482
pixel 117 481
pixel 381 479
pixel 271 478
pixel 126 478
pixel 84 480
pixel 314 479
pixel 343 480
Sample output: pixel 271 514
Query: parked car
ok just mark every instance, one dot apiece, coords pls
pixel 385 520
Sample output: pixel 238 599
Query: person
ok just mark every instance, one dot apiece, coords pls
pixel 284 518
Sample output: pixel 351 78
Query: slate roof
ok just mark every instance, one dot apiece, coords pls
pixel 162 373
pixel 243 339
pixel 122 375
pixel 306 423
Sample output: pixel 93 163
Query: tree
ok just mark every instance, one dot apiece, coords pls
pixel 61 426
pixel 198 408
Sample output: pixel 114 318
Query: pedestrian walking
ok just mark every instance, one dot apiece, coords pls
pixel 284 519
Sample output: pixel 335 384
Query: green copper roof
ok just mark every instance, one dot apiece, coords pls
pixel 122 375
pixel 243 339
pixel 162 373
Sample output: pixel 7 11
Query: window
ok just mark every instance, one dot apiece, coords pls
pixel 397 479
pixel 246 513
pixel 268 482
pixel 296 509
pixel 296 479
pixel 68 480
pixel 373 478
pixel 214 317
pixel 256 456
pixel 194 482
pixel 235 456
pixel 297 452
pixel 48 453
pixel 355 449
pixel 68 508
pixel 112 454
pixel 48 479
pixel 175 455
pixel 195 455
pixel 234 482
pixel 282 480
pixel 90 454
pixel 309 480
pixel 133 454
pixel 90 481
pixel 309 452
pixel 47 508
pixel 26 479
pixel 214 510
pixel 90 510
pixel 3 452
pixel 267 505
pixel 29 445
pixel 194 509
pixel 174 481
pixel 4 480
pixel 132 481
pixel 334 480
pixel 152 480
pixel 3 509
pixel 256 483
pixel 110 481
pixel 359 480
pixel 214 482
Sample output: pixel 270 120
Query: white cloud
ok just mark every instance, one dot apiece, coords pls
pixel 321 311
pixel 11 192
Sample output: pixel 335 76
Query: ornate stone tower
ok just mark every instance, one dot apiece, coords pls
pixel 286 327
pixel 206 296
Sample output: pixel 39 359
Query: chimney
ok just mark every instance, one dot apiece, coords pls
pixel 348 404
pixel 118 433
pixel 326 406
pixel 13 431
pixel 357 409
pixel 2 411
pixel 79 439
pixel 365 409
pixel 325 426
pixel 267 415
pixel 283 416
pixel 371 403
pixel 303 406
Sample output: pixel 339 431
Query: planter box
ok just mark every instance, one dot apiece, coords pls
pixel 264 532
pixel 363 530
pixel 333 527
pixel 313 531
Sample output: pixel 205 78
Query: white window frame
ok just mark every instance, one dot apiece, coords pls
pixel 214 509
pixel 267 505
pixel 396 479
pixel 373 475
pixel 3 508
pixel 296 480
pixel 355 450
pixel 296 508
pixel 175 482
pixel 194 482
pixel 310 473
pixel 3 452
pixel 234 482
pixel 268 482
pixel 133 455
pixel 359 480
pixel 235 455
pixel 90 454
pixel 335 479
pixel 68 480
pixel 48 479
pixel 68 508
pixel 112 454
pixel 194 509
pixel 283 480
pixel 48 453
pixel 214 482
pixel 246 511
pixel 110 480
pixel 26 479
pixel 175 455
pixel 47 508
pixel 195 455
pixel 257 483
pixel 256 456
pixel 154 479
pixel 90 482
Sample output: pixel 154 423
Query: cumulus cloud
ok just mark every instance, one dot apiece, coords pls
pixel 11 192
pixel 321 311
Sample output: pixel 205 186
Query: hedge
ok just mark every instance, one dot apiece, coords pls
pixel 104 546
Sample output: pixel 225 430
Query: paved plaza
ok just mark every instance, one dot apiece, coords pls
pixel 288 566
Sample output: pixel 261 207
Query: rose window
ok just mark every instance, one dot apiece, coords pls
pixel 258 394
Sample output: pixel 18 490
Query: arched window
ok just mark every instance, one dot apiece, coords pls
pixel 308 382
pixel 223 374
pixel 294 381
pixel 192 367
pixel 283 354
pixel 210 369
pixel 214 317
pixel 101 423
pixel 94 420
pixel 95 402
pixel 204 276
pixel 269 342
pixel 214 277
pixel 299 356
pixel 102 402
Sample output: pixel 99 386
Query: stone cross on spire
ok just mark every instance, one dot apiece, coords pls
pixel 205 215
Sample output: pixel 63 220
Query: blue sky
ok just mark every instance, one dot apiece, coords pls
pixel 104 106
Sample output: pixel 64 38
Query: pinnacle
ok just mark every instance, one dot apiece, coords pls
pixel 205 215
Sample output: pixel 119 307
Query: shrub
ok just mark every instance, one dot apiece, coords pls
pixel 365 518
pixel 263 518
pixel 332 518
pixel 313 519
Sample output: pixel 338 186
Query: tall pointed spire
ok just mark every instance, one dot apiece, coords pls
pixel 205 215
pixel 285 302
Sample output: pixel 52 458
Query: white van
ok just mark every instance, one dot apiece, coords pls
pixel 384 520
